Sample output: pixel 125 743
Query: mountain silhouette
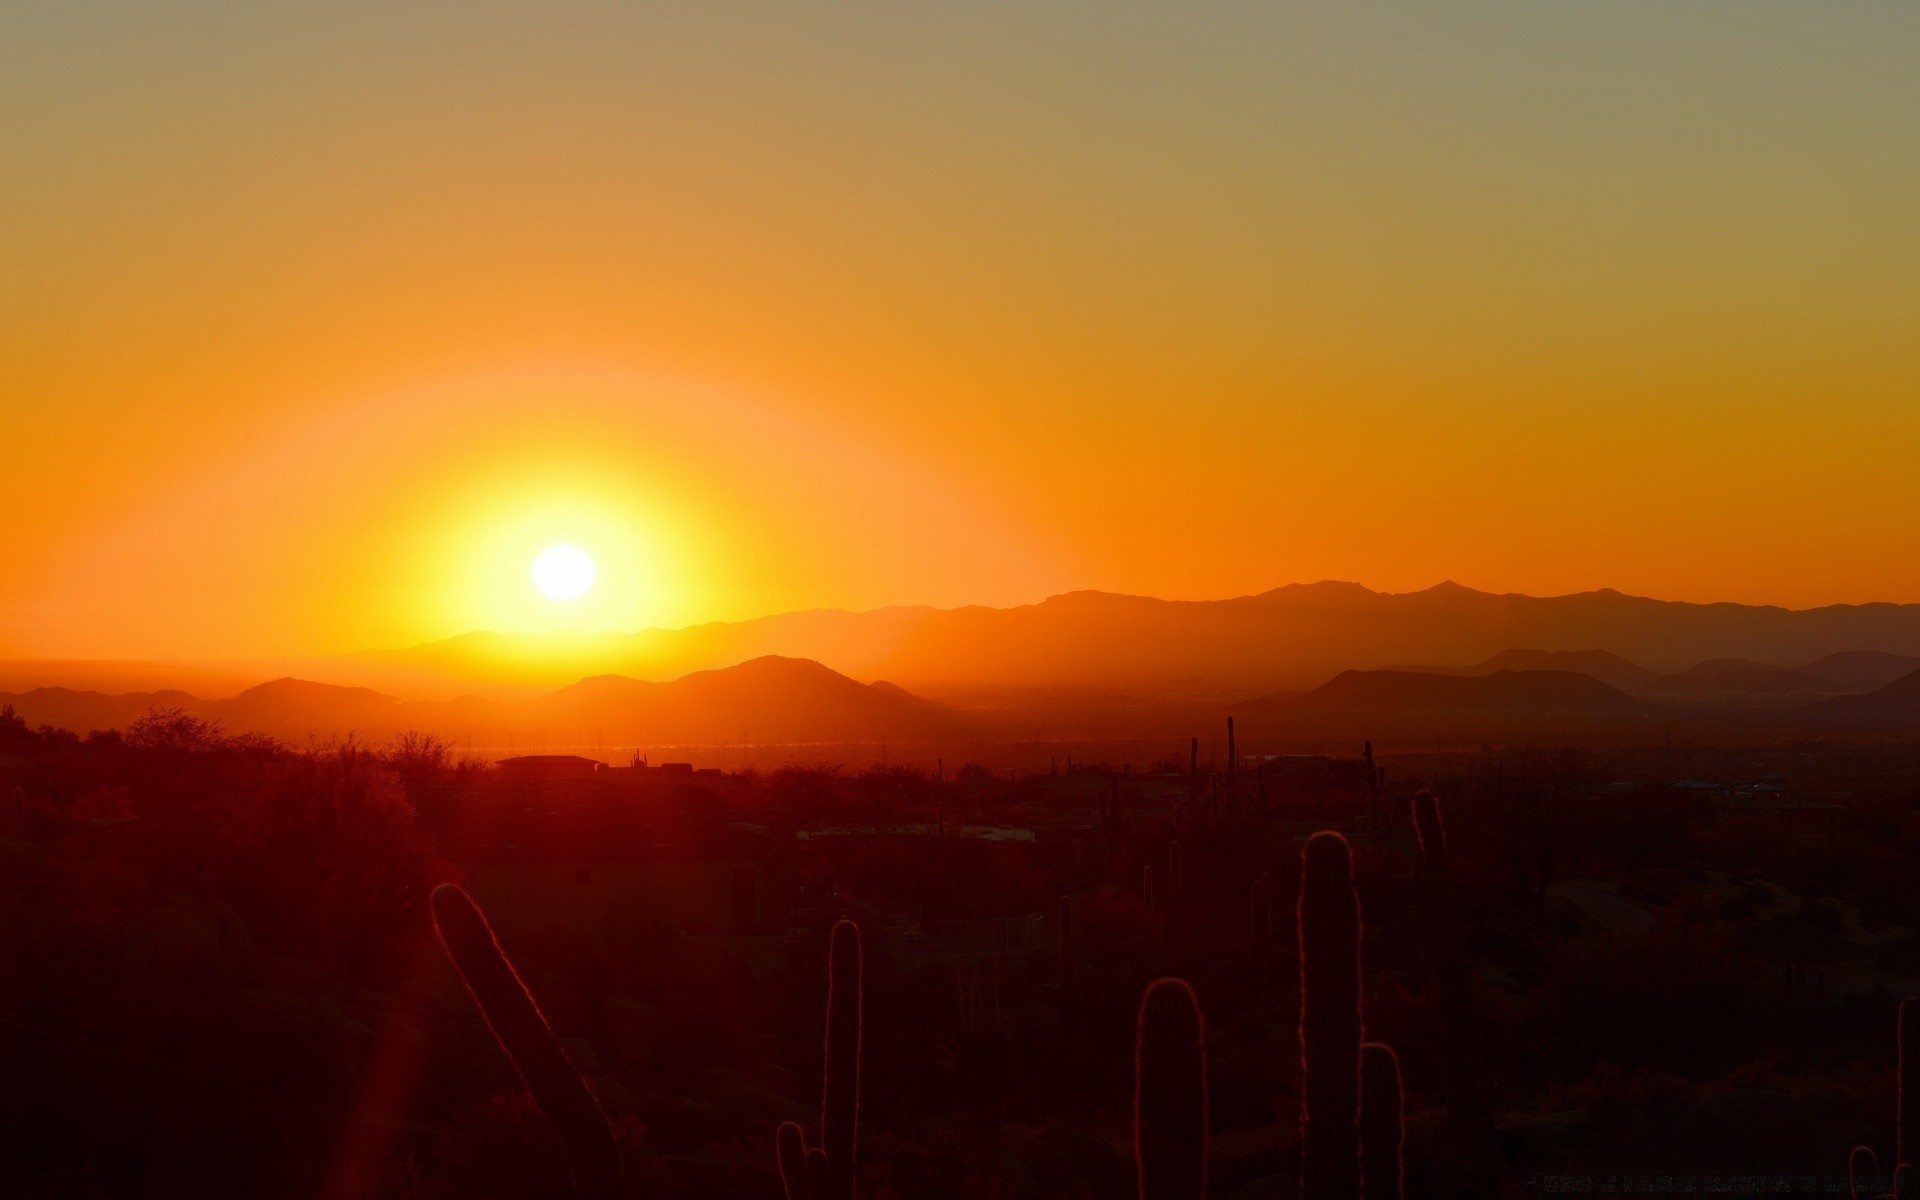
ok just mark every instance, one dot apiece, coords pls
pixel 1291 637
pixel 80 711
pixel 290 707
pixel 1607 667
pixel 769 699
pixel 1863 670
pixel 1897 701
pixel 1517 692
pixel 1741 680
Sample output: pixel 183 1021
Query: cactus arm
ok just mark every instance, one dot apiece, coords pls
pixel 1863 1174
pixel 516 1022
pixel 790 1151
pixel 1381 1120
pixel 818 1174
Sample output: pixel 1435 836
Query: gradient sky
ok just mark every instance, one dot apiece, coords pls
pixel 318 320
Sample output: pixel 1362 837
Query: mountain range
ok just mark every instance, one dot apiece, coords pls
pixel 1293 637
pixel 1300 658
pixel 770 699
pixel 773 701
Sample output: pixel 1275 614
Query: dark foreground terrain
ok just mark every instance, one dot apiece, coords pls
pixel 1638 971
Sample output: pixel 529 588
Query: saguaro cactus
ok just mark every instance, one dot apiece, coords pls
pixel 1469 1110
pixel 1233 757
pixel 826 1171
pixel 1066 942
pixel 1376 782
pixel 1170 1094
pixel 1907 1114
pixel 1071 980
pixel 517 1023
pixel 1381 1109
pixel 1146 886
pixel 1329 916
pixel 1433 837
pixel 1445 935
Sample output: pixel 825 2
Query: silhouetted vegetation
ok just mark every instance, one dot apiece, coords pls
pixel 220 973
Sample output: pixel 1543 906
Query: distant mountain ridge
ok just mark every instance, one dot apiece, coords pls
pixel 769 699
pixel 1515 692
pixel 1897 702
pixel 1295 637
pixel 1607 667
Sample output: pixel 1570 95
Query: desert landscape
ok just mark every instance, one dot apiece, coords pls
pixel 1251 600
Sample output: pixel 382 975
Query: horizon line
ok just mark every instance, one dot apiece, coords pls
pixel 1445 585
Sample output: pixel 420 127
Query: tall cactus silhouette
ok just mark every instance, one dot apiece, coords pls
pixel 1071 988
pixel 1863 1168
pixel 1468 1089
pixel 1373 795
pixel 1445 934
pixel 1907 1112
pixel 1329 916
pixel 1381 1112
pixel 1170 1094
pixel 516 1022
pixel 1233 758
pixel 1067 967
pixel 1376 782
pixel 826 1171
pixel 1433 837
pixel 1146 887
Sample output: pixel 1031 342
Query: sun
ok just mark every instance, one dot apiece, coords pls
pixel 563 572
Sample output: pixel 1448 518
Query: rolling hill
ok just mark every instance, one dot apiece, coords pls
pixel 1897 702
pixel 769 699
pixel 1863 670
pixel 1525 693
pixel 67 708
pixel 1604 665
pixel 1742 681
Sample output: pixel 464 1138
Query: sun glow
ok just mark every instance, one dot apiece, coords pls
pixel 563 572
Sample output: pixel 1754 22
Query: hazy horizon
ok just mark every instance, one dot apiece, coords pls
pixel 586 636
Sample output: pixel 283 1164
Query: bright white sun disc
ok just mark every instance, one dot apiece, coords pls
pixel 563 572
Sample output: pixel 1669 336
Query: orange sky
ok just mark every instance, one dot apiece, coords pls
pixel 317 321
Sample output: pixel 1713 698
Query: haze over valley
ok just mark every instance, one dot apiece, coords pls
pixel 1304 667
